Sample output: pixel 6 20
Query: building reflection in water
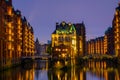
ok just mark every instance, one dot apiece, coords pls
pixel 39 70
pixel 17 74
pixel 93 70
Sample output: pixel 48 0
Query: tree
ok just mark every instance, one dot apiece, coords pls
pixel 49 49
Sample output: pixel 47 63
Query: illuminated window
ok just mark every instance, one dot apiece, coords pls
pixel 117 35
pixel 55 39
pixel 116 13
pixel 117 46
pixel 9 38
pixel 69 24
pixel 117 20
pixel 67 39
pixel 61 39
pixel 56 49
pixel 63 23
pixel 9 46
pixel 73 42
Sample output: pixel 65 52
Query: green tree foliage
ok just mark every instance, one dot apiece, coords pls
pixel 49 49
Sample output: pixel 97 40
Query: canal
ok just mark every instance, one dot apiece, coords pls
pixel 39 70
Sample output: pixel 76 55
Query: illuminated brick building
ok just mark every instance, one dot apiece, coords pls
pixel 102 45
pixel 95 46
pixel 28 46
pixel 91 49
pixel 68 40
pixel 12 35
pixel 109 41
pixel 81 38
pixel 116 28
pixel 17 37
pixel 6 33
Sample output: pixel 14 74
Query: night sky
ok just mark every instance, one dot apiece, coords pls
pixel 43 15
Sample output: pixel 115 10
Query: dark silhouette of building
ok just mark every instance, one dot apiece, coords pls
pixel 109 41
pixel 81 37
pixel 37 47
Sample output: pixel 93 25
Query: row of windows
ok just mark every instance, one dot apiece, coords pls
pixel 62 39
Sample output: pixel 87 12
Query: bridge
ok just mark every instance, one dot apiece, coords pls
pixel 86 57
pixel 42 57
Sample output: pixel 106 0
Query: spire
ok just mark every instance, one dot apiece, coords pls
pixel 57 25
pixel 118 8
pixel 119 3
pixel 37 41
pixel 83 22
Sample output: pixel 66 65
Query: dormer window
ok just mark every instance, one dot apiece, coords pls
pixel 63 23
pixel 18 13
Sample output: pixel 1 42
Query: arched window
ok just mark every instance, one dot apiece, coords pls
pixel 67 39
pixel 55 39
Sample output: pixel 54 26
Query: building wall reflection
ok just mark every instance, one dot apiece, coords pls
pixel 18 74
pixel 91 70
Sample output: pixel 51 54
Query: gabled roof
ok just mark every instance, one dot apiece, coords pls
pixel 64 28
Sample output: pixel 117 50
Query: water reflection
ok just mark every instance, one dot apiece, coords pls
pixel 92 70
pixel 39 70
pixel 17 74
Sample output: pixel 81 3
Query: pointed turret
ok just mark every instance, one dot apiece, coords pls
pixel 118 8
pixel 37 41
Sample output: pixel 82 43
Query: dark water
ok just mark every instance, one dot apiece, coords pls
pixel 39 71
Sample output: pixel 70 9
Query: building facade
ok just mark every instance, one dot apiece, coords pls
pixel 81 38
pixel 42 49
pixel 109 41
pixel 67 40
pixel 102 45
pixel 17 42
pixel 28 47
pixel 116 29
pixel 91 48
pixel 7 38
pixel 37 47
pixel 95 46
pixel 12 35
